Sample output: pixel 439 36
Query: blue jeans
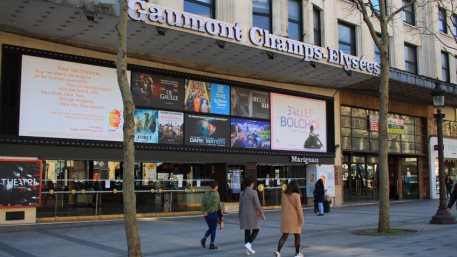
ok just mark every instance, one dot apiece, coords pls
pixel 321 207
pixel 211 219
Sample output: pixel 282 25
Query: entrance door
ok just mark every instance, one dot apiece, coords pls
pixel 393 178
pixel 218 171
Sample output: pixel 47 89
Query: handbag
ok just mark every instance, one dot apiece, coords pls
pixel 220 215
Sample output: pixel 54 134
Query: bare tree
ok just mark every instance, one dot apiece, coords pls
pixel 376 14
pixel 128 186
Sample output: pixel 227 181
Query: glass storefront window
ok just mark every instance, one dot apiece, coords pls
pixel 345 122
pixel 410 178
pixel 346 142
pixel 357 127
pixel 78 188
pixel 360 178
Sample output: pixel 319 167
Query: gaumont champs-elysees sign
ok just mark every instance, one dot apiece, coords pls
pixel 145 12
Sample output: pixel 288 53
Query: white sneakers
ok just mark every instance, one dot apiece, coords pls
pixel 248 252
pixel 278 254
pixel 249 248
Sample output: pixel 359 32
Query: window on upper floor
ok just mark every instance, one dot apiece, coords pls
pixel 454 25
pixel 346 38
pixel 376 5
pixel 445 66
pixel 442 20
pixel 204 8
pixel 295 21
pixel 317 26
pixel 409 13
pixel 377 52
pixel 261 14
pixel 410 58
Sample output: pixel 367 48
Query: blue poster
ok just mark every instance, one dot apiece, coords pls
pixel 220 99
pixel 250 134
pixel 146 126
pixel 236 182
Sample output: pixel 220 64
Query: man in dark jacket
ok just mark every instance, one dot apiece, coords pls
pixel 453 198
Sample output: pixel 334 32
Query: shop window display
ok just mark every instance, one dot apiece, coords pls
pixel 79 188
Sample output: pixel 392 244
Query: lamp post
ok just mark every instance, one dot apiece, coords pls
pixel 442 216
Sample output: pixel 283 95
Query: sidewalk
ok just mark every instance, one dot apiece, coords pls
pixel 330 235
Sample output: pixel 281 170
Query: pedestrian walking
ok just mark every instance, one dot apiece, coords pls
pixel 453 198
pixel 292 218
pixel 449 184
pixel 210 206
pixel 249 212
pixel 319 193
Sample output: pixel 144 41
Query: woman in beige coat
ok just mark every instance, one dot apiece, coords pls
pixel 291 217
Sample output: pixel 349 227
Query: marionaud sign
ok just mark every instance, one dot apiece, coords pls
pixel 145 12
pixel 303 159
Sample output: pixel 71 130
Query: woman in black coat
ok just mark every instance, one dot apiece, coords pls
pixel 319 193
pixel 453 198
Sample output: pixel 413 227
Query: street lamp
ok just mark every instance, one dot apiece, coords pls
pixel 442 216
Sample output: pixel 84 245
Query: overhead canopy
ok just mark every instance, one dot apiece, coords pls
pixel 94 28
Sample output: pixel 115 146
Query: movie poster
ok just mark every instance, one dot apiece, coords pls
pixel 149 173
pixel 208 131
pixel 250 103
pixel 206 97
pixel 152 90
pixel 146 126
pixel 298 123
pixel 220 99
pixel 171 127
pixel 20 183
pixel 250 134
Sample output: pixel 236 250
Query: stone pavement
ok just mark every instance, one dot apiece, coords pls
pixel 330 235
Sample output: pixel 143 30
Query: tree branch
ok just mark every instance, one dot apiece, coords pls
pixel 363 9
pixel 399 10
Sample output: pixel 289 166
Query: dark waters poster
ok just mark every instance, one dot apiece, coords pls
pixel 207 131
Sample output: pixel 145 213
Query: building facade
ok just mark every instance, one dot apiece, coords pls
pixel 224 89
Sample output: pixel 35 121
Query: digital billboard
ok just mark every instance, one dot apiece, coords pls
pixel 152 90
pixel 61 99
pixel 146 126
pixel 206 131
pixel 207 97
pixel 249 103
pixel 171 127
pixel 20 183
pixel 250 134
pixel 298 123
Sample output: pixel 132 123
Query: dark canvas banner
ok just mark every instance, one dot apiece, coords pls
pixel 249 103
pixel 152 90
pixel 207 131
pixel 20 183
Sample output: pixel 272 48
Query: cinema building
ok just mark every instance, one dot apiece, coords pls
pixel 268 89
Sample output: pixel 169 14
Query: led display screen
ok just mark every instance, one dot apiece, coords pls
pixel 249 134
pixel 207 131
pixel 61 99
pixel 298 123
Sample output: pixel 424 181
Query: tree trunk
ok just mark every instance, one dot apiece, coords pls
pixel 128 186
pixel 384 205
